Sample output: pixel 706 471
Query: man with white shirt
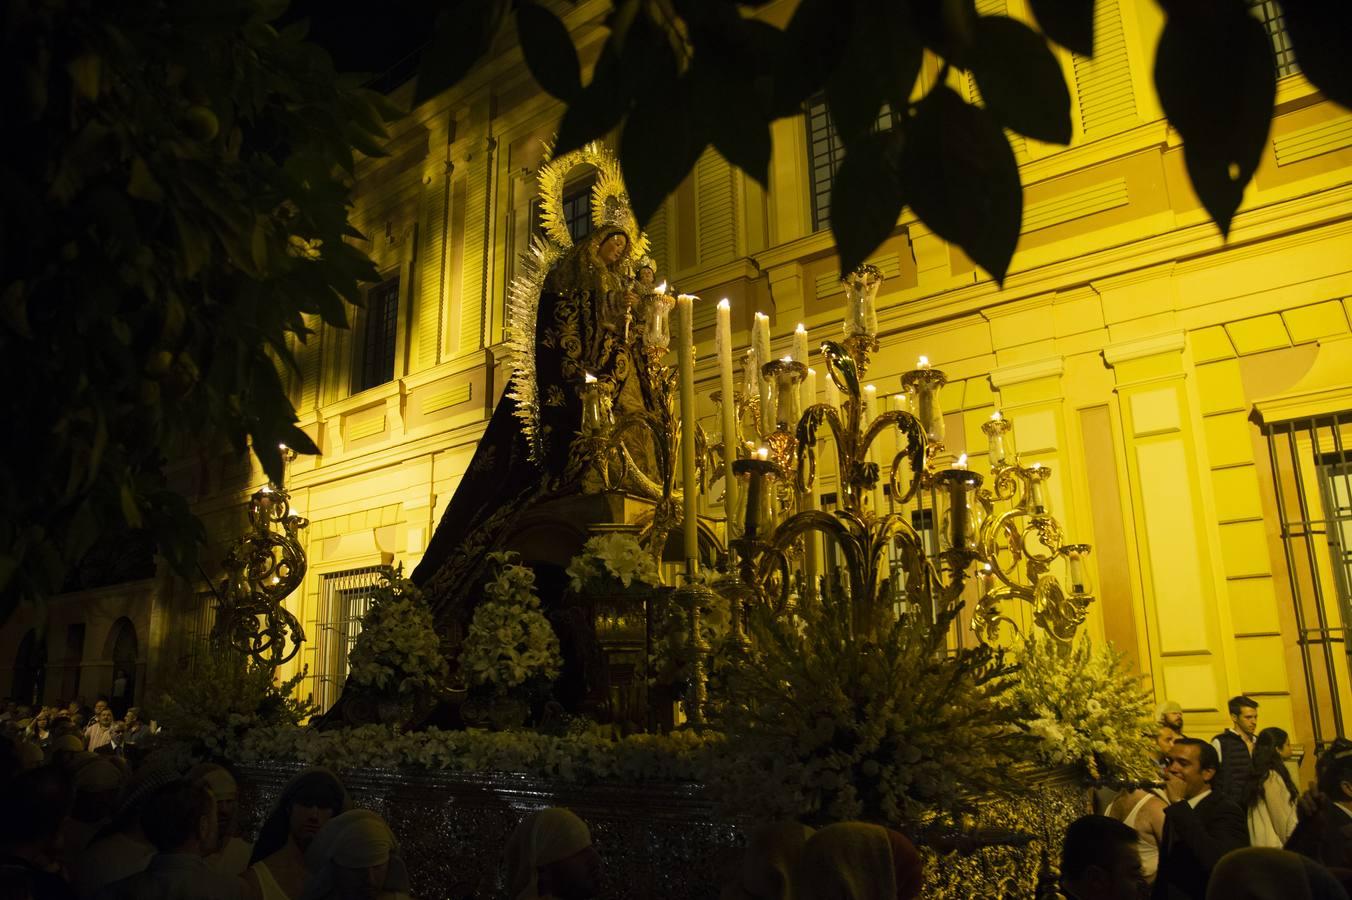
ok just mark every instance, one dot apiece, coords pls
pixel 1234 748
pixel 1200 826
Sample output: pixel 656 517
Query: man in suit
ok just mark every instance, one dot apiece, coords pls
pixel 1200 826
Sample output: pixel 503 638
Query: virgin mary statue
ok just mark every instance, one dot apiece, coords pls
pixel 567 318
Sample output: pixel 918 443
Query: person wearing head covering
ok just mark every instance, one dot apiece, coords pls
pixel 305 805
pixel 857 861
pixel 122 849
pixel 1265 873
pixel 550 854
pixel 1170 713
pixel 355 856
pixel 531 452
pixel 767 865
pixel 231 856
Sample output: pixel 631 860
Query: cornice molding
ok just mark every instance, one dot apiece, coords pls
pixel 1019 373
pixel 1126 351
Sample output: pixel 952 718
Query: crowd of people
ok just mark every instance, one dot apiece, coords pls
pixel 94 810
pixel 1227 822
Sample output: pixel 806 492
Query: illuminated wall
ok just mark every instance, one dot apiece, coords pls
pixel 1129 343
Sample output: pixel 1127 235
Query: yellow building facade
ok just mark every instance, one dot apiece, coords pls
pixel 1184 389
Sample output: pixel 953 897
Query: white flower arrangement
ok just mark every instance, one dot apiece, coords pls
pixel 225 696
pixel 1085 709
pixel 827 725
pixel 613 558
pixel 397 651
pixel 510 641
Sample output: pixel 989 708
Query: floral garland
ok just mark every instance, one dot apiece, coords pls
pixel 608 559
pixel 594 755
pixel 1085 709
pixel 829 726
pixel 510 641
pixel 397 650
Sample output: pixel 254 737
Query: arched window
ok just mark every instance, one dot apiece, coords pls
pixel 30 669
pixel 124 653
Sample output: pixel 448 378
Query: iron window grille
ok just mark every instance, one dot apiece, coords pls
pixel 1284 57
pixel 825 151
pixel 344 597
pixel 1312 475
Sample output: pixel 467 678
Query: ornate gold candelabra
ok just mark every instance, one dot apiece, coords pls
pixel 874 548
pixel 262 569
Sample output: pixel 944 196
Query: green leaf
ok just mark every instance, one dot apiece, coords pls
pixel 1217 84
pixel 813 46
pixel 1020 79
pixel 1321 34
pixel 880 65
pixel 1068 22
pixel 462 36
pixel 866 197
pixel 142 184
pixel 729 113
pixel 961 179
pixel 549 51
pixel 598 108
pixel 659 145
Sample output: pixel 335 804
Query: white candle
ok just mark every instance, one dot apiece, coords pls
pixel 832 393
pixel 800 344
pixel 871 413
pixel 1076 572
pixel 761 341
pixel 724 339
pixel 1038 500
pixel 997 440
pixel 685 350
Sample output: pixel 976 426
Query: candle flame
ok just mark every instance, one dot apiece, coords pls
pixel 996 417
pixel 590 378
pixel 763 452
pixel 761 315
pixel 786 359
pixel 811 371
pixel 282 447
pixel 961 463
pixel 922 362
pixel 870 388
pixel 800 329
pixel 661 288
pixel 724 304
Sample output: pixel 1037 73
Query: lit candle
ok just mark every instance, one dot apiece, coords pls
pixel 763 453
pixel 1036 496
pixel 591 404
pixel 988 579
pixel 657 328
pixel 870 404
pixel 1076 572
pixel 961 462
pixel 800 344
pixel 922 363
pixel 685 351
pixel 723 335
pixel 996 437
